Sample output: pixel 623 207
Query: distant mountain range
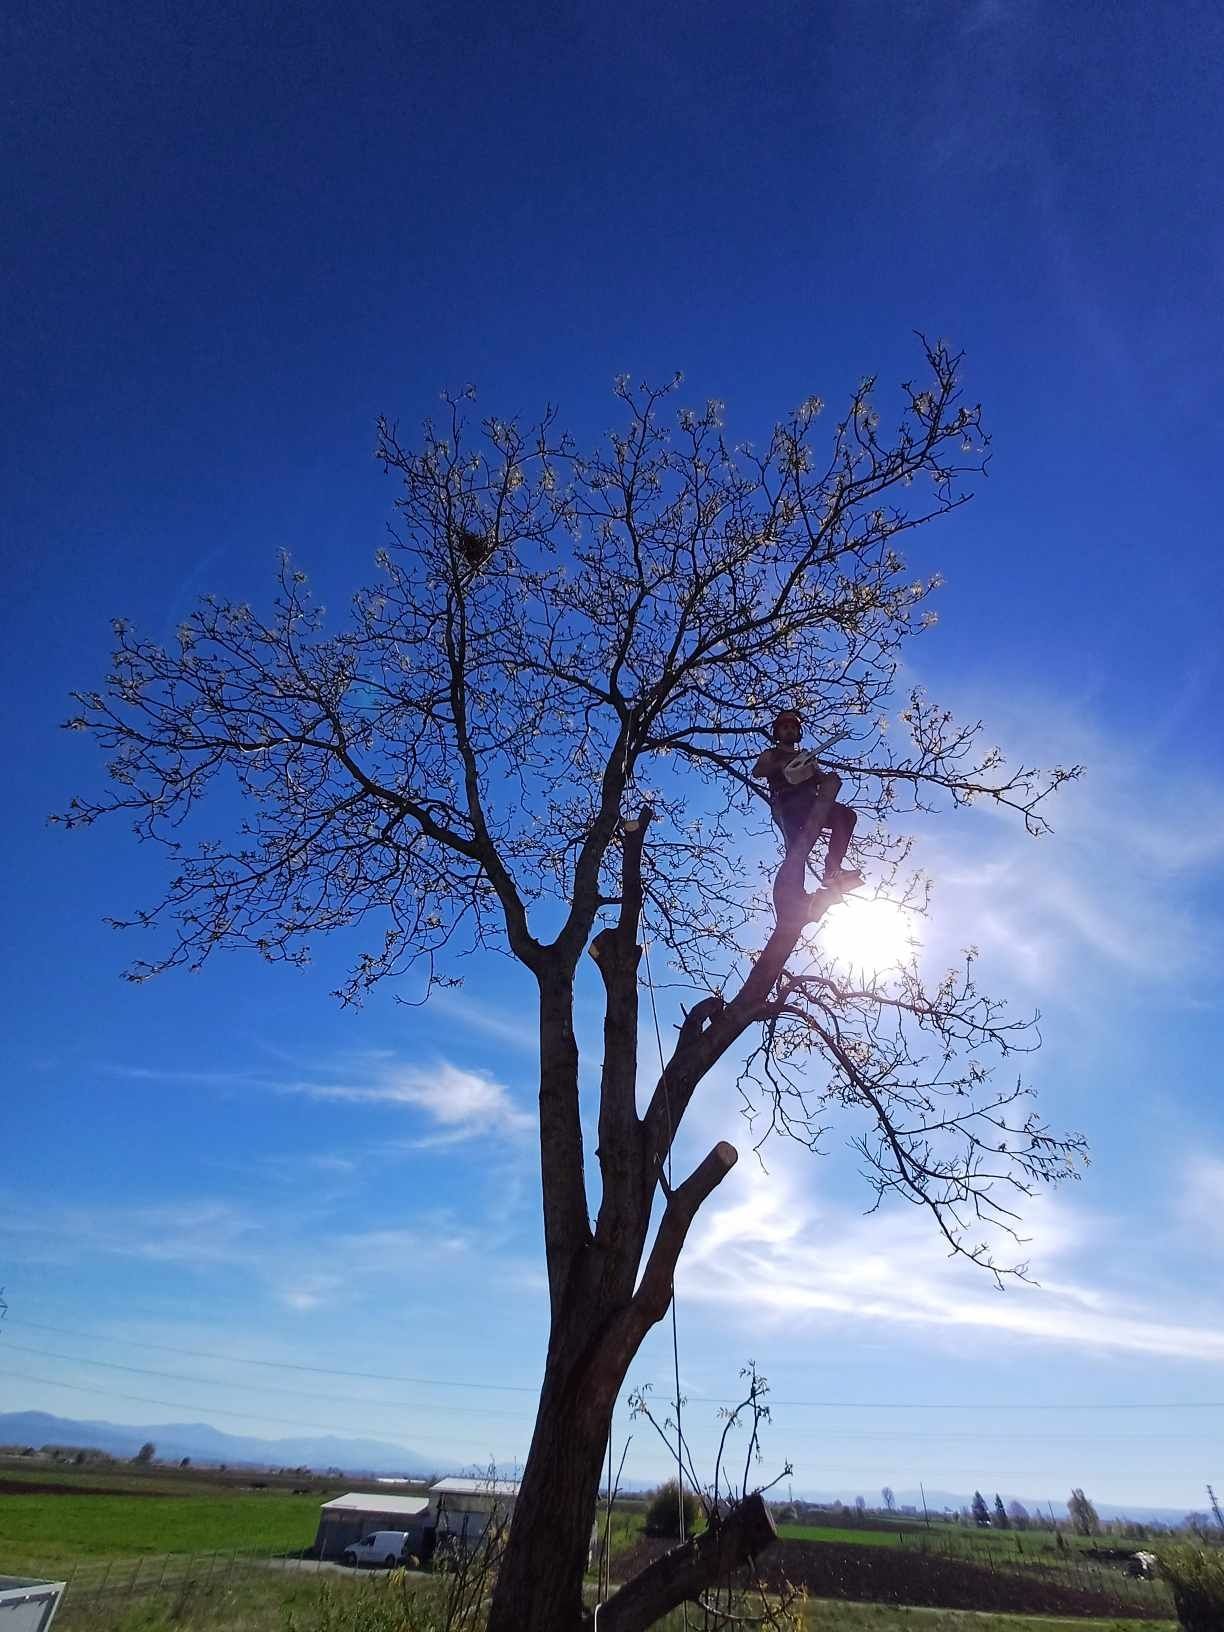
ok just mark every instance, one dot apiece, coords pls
pixel 202 1443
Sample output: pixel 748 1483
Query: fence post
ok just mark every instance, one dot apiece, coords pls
pixel 98 1596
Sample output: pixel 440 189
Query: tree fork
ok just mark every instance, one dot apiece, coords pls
pixel 685 1572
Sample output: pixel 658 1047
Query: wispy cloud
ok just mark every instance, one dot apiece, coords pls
pixel 462 1104
pixel 1119 887
pixel 196 1233
pixel 300 1258
pixel 777 1256
pixel 521 1034
pixel 1200 1205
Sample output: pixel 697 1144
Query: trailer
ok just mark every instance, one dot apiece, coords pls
pixel 28 1605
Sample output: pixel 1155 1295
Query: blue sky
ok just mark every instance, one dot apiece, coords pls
pixel 234 238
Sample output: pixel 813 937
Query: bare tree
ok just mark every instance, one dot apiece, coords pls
pixel 543 745
pixel 889 1499
pixel 1082 1513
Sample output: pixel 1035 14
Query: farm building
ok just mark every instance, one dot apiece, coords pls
pixel 464 1508
pixel 348 1518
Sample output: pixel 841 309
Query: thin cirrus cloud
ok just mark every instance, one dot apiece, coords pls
pixel 299 1258
pixel 779 1257
pixel 461 1104
pixel 1119 884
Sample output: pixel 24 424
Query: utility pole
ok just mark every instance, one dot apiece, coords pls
pixel 926 1517
pixel 1215 1507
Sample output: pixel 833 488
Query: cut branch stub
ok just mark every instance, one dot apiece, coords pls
pixel 654 1293
pixel 685 1572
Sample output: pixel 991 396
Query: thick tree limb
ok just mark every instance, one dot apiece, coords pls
pixel 700 1047
pixel 566 1227
pixel 655 1290
pixel 616 954
pixel 685 1572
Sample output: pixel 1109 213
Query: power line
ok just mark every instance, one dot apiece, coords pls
pixel 284 1365
pixel 178 1405
pixel 701 1399
pixel 220 1382
pixel 856 1472
pixel 859 1436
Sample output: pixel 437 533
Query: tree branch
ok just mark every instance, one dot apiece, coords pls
pixel 685 1572
pixel 616 954
pixel 654 1291
pixel 703 1044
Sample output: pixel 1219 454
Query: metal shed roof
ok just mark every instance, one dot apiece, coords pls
pixel 475 1487
pixel 358 1501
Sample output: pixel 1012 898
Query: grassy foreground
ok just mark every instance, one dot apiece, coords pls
pixel 277 1603
pixel 825 1615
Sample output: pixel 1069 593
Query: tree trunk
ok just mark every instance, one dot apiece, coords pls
pixel 539 1585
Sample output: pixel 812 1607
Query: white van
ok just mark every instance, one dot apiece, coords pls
pixel 379 1547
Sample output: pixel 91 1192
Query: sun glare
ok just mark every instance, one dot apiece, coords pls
pixel 868 937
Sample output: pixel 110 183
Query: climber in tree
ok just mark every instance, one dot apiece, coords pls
pixel 797 782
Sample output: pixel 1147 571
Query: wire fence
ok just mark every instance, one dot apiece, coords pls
pixel 95 1588
pixel 98 1590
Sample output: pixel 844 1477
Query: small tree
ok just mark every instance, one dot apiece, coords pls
pixel 889 1499
pixel 1018 1514
pixel 663 1514
pixel 184 1462
pixel 981 1513
pixel 1196 1579
pixel 1082 1514
pixel 146 1453
pixel 1002 1522
pixel 536 733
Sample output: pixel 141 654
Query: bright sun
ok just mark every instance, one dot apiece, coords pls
pixel 868 937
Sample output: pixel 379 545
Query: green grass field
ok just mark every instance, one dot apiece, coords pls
pixel 835 1616
pixel 860 1538
pixel 250 1604
pixel 102 1537
pixel 275 1603
pixel 53 1531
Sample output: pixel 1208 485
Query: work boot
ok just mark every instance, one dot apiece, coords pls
pixel 849 878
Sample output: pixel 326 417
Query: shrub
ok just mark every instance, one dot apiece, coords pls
pixel 1196 1580
pixel 663 1514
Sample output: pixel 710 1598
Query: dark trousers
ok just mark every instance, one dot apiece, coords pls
pixel 792 809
